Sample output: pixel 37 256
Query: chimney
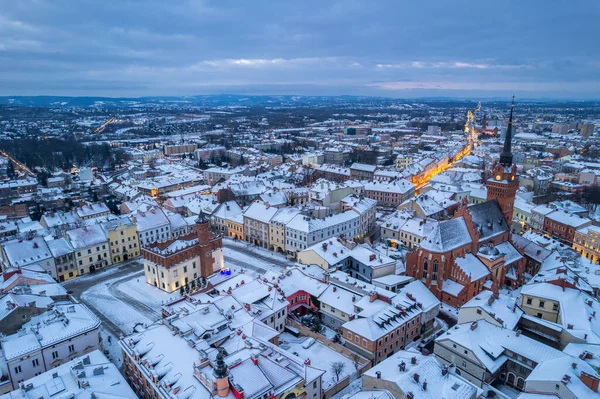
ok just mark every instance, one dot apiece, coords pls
pixel 378 374
pixel 254 358
pixel 444 370
pixel 416 377
pixel 372 296
pixel 410 395
pixel 334 288
pixel 413 360
pixel 425 385
pixel 474 325
pixel 402 366
pixel 590 381
pixel 307 361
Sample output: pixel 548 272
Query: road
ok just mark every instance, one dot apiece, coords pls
pixel 133 269
pixel 79 285
pixel 18 164
pixel 248 250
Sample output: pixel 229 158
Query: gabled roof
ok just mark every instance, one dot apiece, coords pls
pixel 488 219
pixel 447 236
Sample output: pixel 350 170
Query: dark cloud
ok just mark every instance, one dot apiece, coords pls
pixel 396 48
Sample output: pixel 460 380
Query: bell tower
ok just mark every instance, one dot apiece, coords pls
pixel 503 184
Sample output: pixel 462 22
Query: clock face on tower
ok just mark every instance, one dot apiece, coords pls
pixel 498 177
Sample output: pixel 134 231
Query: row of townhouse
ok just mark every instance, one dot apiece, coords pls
pixel 288 230
pixel 374 322
pixel 41 326
pixel 82 250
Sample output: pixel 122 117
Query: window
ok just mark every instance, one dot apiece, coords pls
pixel 555 307
pixel 55 355
pixel 35 362
pixel 542 303
pixel 17 369
pixel 529 301
pixel 71 348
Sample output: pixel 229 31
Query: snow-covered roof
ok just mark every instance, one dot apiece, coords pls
pixel 452 287
pixel 401 186
pixel 59 247
pixel 576 309
pixel 555 370
pixel 447 236
pixel 488 343
pixel 87 211
pixel 151 219
pixel 63 322
pixel 87 236
pixel 439 385
pixel 260 211
pixel 472 266
pixel 61 381
pixel 25 252
pixel 363 167
pixel 504 308
pixel 488 219
pixel 295 280
pixel 307 224
pixel 568 219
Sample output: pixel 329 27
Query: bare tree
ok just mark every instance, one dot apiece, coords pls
pixel 337 368
pixel 356 362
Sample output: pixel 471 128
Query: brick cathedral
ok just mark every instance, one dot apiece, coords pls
pixel 473 250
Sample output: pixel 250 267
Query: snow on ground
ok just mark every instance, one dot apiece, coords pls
pixel 320 357
pixel 112 346
pixel 449 311
pixel 231 256
pixel 138 289
pixel 328 332
pixel 98 274
pixel 354 387
pixel 121 314
pixel 261 251
pixel 516 293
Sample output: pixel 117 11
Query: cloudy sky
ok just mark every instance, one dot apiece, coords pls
pixel 466 48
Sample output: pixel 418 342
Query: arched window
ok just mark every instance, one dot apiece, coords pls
pixel 520 383
pixel 435 270
pixel 425 264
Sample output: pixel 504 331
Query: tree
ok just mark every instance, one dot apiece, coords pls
pixel 10 171
pixel 356 362
pixel 337 368
pixel 337 338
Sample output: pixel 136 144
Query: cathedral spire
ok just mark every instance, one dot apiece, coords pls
pixel 506 156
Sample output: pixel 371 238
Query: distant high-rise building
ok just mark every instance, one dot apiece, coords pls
pixel 587 130
pixel 434 130
pixel 560 128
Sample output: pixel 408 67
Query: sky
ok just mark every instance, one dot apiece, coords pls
pixel 424 48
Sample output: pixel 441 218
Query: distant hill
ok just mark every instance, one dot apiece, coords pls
pixel 254 101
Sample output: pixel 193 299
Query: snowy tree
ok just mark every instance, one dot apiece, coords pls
pixel 337 368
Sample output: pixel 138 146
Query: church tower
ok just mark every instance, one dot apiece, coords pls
pixel 504 183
